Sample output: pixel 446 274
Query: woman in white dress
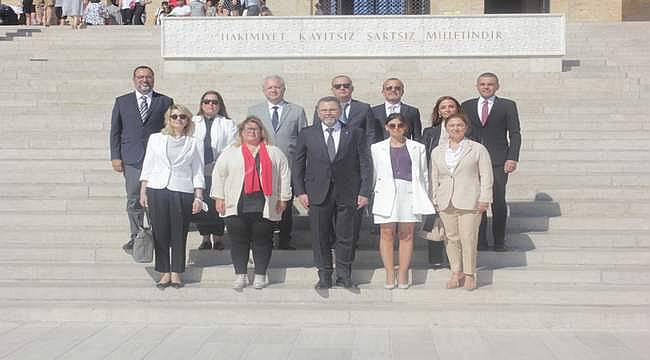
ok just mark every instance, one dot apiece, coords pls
pixel 73 9
pixel 400 196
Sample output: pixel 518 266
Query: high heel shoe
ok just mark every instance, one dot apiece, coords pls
pixel 455 281
pixel 470 283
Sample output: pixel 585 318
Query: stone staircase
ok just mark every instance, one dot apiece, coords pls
pixel 579 202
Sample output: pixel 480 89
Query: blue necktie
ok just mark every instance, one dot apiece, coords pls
pixel 275 118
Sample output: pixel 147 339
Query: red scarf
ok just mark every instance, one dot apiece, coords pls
pixel 251 177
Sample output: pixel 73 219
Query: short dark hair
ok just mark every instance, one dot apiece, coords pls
pixel 488 74
pixel 399 116
pixel 328 99
pixel 462 117
pixel 142 67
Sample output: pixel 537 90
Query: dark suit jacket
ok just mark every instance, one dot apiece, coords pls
pixel 360 116
pixel 377 133
pixel 501 134
pixel 129 134
pixel 313 173
pixel 430 138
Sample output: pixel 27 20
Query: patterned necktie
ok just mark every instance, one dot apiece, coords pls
pixel 144 108
pixel 275 119
pixel 344 116
pixel 331 149
pixel 484 112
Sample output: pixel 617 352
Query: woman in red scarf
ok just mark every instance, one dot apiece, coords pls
pixel 251 185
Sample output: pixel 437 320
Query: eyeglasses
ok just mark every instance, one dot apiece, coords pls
pixel 396 126
pixel 213 102
pixel 391 88
pixel 342 86
pixel 178 116
pixel 252 129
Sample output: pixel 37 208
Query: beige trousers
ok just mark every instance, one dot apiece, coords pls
pixel 461 230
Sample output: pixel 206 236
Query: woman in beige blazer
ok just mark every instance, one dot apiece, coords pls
pixel 251 184
pixel 461 186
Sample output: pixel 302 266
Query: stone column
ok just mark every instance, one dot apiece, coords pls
pixel 586 10
pixel 457 7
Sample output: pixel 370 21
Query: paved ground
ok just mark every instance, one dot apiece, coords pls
pixel 134 341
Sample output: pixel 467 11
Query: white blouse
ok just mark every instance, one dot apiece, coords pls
pixel 452 157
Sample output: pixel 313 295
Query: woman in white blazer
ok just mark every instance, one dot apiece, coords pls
pixel 172 182
pixel 461 186
pixel 215 131
pixel 251 184
pixel 400 196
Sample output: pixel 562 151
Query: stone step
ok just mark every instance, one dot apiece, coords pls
pixel 446 316
pixel 306 275
pixel 61 254
pixel 278 293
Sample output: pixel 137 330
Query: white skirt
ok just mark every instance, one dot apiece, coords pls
pixel 402 205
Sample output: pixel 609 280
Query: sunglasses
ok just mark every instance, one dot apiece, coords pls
pixel 396 126
pixel 178 116
pixel 391 88
pixel 342 86
pixel 213 102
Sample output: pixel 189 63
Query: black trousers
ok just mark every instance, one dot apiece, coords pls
pixel 170 213
pixel 499 210
pixel 127 16
pixel 245 229
pixel 208 222
pixel 344 229
pixel 137 14
pixel 286 225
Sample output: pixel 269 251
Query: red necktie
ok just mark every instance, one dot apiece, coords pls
pixel 484 112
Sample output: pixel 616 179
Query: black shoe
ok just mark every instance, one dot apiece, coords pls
pixel 162 286
pixel 286 247
pixel 346 283
pixel 483 247
pixel 218 246
pixel 206 245
pixel 176 285
pixel 128 245
pixel 323 284
pixel 501 248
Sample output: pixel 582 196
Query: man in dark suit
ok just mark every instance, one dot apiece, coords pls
pixel 283 121
pixel 136 115
pixel 393 90
pixel 495 124
pixel 331 178
pixel 354 113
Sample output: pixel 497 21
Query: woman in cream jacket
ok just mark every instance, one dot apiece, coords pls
pixel 251 184
pixel 461 186
pixel 400 196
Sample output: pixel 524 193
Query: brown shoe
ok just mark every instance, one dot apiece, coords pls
pixel 456 281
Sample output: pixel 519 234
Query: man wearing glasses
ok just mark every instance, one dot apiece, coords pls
pixel 354 113
pixel 393 90
pixel 283 121
pixel 136 116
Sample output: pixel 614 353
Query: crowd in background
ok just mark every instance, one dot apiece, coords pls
pixel 78 13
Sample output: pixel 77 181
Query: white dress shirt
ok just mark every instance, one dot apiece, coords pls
pixel 479 105
pixel 336 134
pixel 392 108
pixel 138 98
pixel 280 106
pixel 452 157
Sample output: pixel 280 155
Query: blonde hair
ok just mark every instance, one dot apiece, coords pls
pixel 189 128
pixel 255 120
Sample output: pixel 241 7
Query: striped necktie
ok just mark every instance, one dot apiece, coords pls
pixel 144 108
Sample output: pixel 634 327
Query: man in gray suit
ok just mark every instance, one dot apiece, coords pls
pixel 283 121
pixel 136 115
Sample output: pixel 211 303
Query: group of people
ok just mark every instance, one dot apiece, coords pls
pixel 212 8
pixel 76 13
pixel 210 170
